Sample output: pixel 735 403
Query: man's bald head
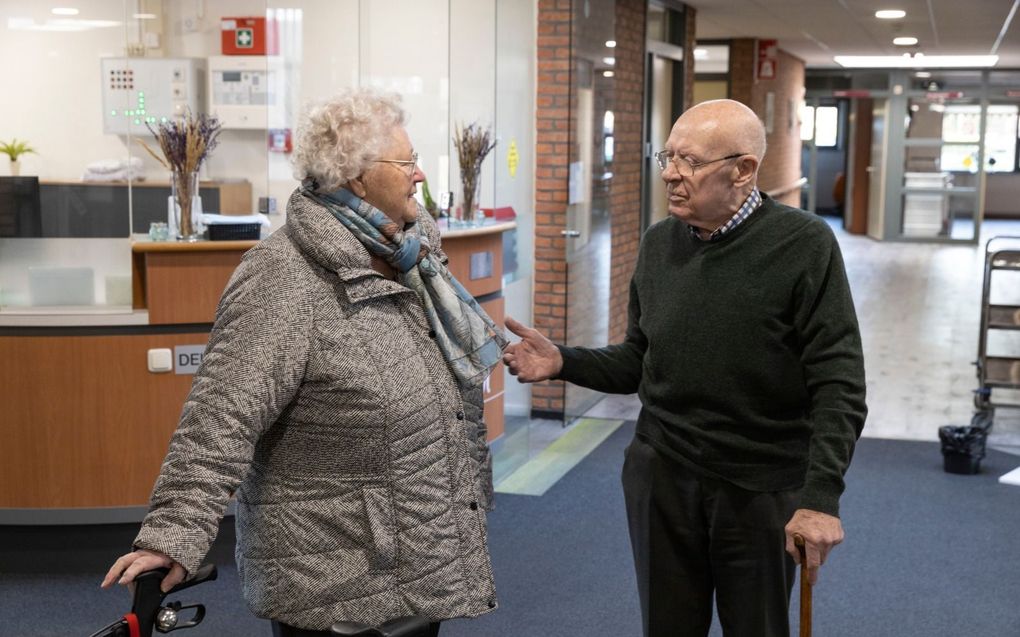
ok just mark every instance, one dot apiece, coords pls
pixel 721 144
pixel 725 124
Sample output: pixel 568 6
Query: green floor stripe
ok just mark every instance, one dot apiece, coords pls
pixel 537 475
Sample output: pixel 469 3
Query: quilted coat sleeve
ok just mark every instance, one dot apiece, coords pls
pixel 252 368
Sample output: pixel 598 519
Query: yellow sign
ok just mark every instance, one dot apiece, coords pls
pixel 512 158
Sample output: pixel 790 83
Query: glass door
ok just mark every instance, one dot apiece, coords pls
pixel 587 231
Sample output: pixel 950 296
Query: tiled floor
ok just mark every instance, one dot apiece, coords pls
pixel 919 311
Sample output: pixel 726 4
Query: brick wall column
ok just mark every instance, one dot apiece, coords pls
pixel 625 193
pixel 554 119
pixel 781 167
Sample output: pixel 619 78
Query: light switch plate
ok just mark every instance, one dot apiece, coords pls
pixel 160 360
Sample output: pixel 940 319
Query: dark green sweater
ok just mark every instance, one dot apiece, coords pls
pixel 746 354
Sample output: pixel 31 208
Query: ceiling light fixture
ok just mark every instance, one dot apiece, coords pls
pixel 64 11
pixel 607 74
pixel 905 40
pixel 609 61
pixel 144 16
pixel 890 14
pixel 611 44
pixel 922 75
pixel 907 61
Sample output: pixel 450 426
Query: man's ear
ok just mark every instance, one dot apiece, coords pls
pixel 747 168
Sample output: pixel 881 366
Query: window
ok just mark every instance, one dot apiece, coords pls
pixel 961 134
pixel 822 124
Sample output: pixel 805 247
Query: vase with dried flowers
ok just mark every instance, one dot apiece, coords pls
pixel 473 144
pixel 186 142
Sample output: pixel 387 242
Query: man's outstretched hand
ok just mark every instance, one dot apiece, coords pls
pixel 534 358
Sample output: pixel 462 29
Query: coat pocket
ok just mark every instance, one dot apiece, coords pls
pixel 312 553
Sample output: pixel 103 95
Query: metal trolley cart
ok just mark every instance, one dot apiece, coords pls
pixel 997 372
pixel 149 613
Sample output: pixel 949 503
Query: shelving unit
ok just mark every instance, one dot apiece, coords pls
pixel 997 372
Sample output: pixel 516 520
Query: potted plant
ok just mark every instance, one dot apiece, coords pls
pixel 15 149
pixel 430 203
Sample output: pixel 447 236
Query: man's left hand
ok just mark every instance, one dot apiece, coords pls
pixel 820 531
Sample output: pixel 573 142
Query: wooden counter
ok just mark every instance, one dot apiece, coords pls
pixel 476 259
pixel 86 424
pixel 162 271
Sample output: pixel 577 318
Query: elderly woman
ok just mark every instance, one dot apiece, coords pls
pixel 339 400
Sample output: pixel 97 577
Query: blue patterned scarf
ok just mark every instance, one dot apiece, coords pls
pixel 469 340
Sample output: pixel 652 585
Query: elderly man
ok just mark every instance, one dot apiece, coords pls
pixel 744 347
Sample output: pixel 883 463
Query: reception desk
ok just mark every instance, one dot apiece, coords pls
pixel 86 424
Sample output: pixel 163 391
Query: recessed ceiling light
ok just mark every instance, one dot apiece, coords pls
pixel 905 40
pixel 915 62
pixel 611 44
pixel 64 11
pixel 890 14
pixel 609 61
pixel 607 74
pixel 923 74
pixel 144 16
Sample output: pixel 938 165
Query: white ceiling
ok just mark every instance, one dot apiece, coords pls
pixel 816 30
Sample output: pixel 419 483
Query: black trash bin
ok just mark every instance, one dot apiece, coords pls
pixel 962 448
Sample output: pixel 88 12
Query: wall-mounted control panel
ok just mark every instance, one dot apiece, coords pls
pixel 247 91
pixel 140 91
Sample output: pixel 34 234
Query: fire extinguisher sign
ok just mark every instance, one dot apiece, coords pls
pixel 767 54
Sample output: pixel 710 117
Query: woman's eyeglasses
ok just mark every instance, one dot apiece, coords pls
pixel 407 165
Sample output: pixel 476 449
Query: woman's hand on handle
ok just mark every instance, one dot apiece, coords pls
pixel 534 358
pixel 128 566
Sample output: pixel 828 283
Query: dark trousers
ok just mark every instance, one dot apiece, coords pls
pixel 283 630
pixel 695 536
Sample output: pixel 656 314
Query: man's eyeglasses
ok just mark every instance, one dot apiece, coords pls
pixel 407 165
pixel 684 166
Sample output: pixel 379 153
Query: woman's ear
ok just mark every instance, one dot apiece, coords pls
pixel 357 186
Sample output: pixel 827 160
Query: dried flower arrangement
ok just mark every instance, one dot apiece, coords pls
pixel 473 144
pixel 185 143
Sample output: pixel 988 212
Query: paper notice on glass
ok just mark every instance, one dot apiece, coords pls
pixel 576 188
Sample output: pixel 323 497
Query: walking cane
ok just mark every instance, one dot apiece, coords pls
pixel 805 589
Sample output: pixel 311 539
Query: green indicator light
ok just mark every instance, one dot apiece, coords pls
pixel 141 112
pixel 163 119
pixel 113 112
pixel 130 113
pixel 141 94
pixel 137 121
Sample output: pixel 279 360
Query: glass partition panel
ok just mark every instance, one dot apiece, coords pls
pixel 64 238
pixel 91 86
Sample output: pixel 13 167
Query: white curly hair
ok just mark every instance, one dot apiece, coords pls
pixel 338 137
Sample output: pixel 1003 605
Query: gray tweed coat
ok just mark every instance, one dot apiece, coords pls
pixel 360 468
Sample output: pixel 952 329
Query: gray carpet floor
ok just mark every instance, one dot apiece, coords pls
pixel 927 554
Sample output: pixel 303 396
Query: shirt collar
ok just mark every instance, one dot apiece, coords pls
pixel 750 205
